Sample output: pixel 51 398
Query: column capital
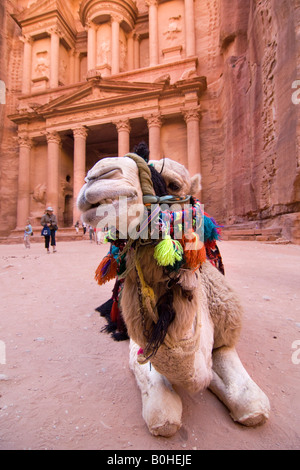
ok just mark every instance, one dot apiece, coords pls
pixel 24 141
pixel 154 120
pixel 191 114
pixel 89 24
pixel 116 17
pixel 80 132
pixel 56 30
pixel 27 39
pixel 123 125
pixel 53 137
pixel 136 36
pixel 150 3
pixel 74 53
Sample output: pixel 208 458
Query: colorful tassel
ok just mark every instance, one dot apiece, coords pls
pixel 147 291
pixel 211 229
pixel 107 270
pixel 194 250
pixel 114 313
pixel 168 251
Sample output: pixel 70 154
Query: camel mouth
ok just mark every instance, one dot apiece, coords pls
pixel 107 207
pixel 114 200
pixel 102 174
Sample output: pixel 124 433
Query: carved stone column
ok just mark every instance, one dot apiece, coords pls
pixel 190 38
pixel 115 43
pixel 74 73
pixel 80 135
pixel 130 54
pixel 27 61
pixel 153 31
pixel 54 57
pixel 123 128
pixel 154 125
pixel 54 145
pixel 136 46
pixel 91 52
pixel 76 67
pixel 192 119
pixel 23 207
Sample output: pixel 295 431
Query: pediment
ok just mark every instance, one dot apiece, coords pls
pixel 44 8
pixel 40 7
pixel 98 93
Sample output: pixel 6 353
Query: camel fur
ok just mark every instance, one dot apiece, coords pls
pixel 198 351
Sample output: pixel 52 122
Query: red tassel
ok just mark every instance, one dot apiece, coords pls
pixel 114 313
pixel 107 270
pixel 194 250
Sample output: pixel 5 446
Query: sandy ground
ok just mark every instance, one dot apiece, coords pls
pixel 66 385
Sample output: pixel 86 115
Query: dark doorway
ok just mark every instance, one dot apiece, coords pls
pixel 68 212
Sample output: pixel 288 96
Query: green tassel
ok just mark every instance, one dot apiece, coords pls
pixel 168 252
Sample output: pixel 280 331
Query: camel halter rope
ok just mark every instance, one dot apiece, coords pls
pixel 174 255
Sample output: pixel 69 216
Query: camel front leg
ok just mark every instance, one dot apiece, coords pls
pixel 162 407
pixel 234 387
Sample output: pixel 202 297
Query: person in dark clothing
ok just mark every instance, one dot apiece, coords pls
pixel 49 220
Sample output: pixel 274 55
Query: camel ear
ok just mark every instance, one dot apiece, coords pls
pixel 196 184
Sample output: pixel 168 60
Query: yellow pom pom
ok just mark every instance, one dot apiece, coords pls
pixel 168 251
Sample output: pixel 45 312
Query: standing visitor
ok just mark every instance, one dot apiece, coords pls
pixel 91 233
pixel 49 222
pixel 27 234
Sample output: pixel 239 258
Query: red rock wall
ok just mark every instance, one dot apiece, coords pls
pixel 10 69
pixel 257 159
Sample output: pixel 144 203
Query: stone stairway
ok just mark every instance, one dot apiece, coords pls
pixel 254 234
pixel 232 232
pixel 64 234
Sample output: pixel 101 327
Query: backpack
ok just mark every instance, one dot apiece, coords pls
pixel 45 232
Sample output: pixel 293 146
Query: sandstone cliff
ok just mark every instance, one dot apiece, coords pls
pixel 10 68
pixel 252 173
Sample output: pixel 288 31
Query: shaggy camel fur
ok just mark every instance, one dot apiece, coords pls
pixel 198 350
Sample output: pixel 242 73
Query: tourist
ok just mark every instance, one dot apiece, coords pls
pixel 77 226
pixel 27 234
pixel 49 221
pixel 91 233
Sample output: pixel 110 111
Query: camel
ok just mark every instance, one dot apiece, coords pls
pixel 184 320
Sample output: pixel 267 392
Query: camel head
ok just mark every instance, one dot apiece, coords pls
pixel 117 186
pixel 110 181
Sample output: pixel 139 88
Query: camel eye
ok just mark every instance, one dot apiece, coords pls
pixel 174 186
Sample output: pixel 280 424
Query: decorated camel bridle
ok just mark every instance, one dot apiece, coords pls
pixel 178 256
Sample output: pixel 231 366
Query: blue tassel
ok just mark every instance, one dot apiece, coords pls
pixel 211 229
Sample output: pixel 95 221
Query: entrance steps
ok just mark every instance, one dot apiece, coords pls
pixel 232 232
pixel 66 234
pixel 249 233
